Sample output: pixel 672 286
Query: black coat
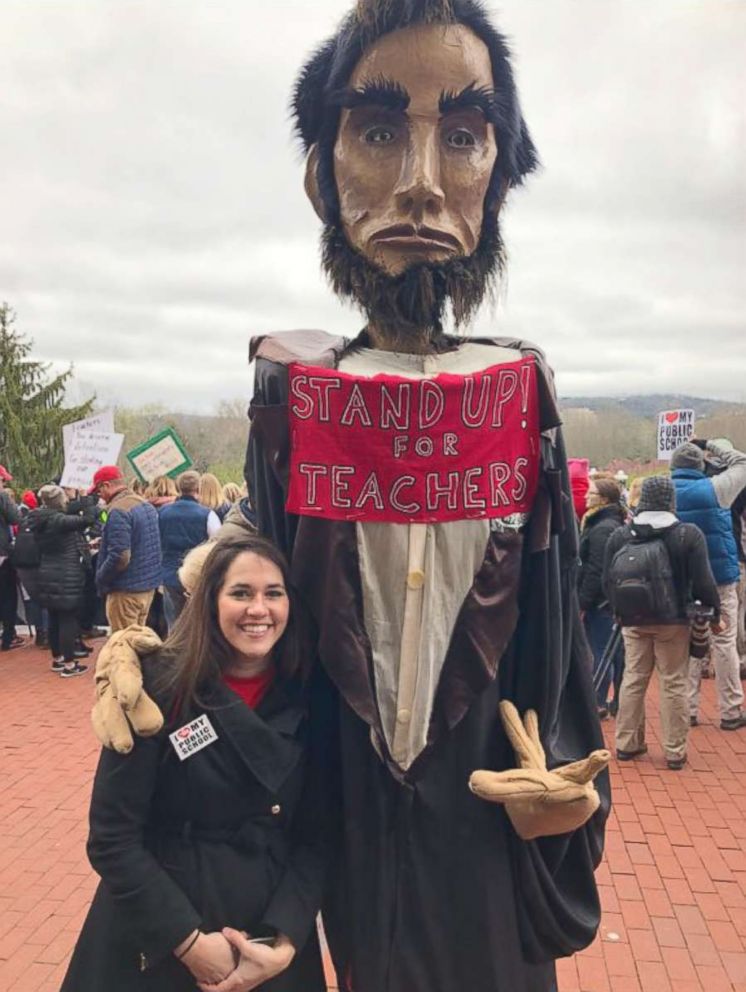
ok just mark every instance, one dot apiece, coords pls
pixel 597 530
pixel 237 834
pixel 58 582
pixel 433 890
pixel 9 516
pixel 690 563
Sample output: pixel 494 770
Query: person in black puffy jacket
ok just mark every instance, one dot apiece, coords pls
pixel 58 583
pixel 604 514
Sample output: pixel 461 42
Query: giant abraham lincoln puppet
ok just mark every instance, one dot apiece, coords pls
pixel 417 481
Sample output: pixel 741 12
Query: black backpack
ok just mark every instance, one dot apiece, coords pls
pixel 641 583
pixel 26 552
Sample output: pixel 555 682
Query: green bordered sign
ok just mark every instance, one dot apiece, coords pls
pixel 163 454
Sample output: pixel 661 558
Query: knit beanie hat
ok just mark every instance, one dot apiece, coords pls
pixel 658 493
pixel 688 455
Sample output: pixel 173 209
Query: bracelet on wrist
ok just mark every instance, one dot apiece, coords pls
pixel 189 946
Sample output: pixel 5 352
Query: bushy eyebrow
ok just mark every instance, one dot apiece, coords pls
pixel 472 96
pixel 378 92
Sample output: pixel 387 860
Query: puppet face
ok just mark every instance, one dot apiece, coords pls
pixel 253 610
pixel 414 153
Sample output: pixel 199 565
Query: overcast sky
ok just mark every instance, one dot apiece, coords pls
pixel 153 216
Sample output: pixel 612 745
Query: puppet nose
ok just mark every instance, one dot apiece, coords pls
pixel 418 192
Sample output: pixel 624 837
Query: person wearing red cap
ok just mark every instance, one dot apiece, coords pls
pixel 29 500
pixel 129 562
pixel 9 517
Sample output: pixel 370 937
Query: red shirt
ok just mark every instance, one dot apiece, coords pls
pixel 251 690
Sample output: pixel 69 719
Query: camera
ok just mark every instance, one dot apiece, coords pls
pixel 698 612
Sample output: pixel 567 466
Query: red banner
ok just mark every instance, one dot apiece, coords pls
pixel 398 450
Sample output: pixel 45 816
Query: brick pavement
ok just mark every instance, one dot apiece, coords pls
pixel 673 883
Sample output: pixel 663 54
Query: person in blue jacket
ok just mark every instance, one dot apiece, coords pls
pixel 706 502
pixel 183 525
pixel 128 570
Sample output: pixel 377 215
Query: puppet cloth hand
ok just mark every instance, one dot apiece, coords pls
pixel 120 697
pixel 540 803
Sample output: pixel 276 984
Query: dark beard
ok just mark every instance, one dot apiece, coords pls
pixel 413 304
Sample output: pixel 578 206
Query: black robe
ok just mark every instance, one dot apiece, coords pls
pixel 434 891
pixel 238 834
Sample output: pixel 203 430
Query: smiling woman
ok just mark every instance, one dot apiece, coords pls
pixel 221 824
pixel 243 618
pixel 253 608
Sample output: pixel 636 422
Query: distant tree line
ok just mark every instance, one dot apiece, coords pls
pixel 215 443
pixel 610 434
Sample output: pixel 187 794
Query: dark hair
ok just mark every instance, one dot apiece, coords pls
pixel 328 70
pixel 196 653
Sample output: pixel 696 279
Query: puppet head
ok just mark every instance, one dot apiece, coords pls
pixel 410 119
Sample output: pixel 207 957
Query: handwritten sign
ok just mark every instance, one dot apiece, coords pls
pixel 102 422
pixel 88 451
pixel 163 454
pixel 398 450
pixel 674 428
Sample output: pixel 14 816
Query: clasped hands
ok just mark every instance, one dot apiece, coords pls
pixel 540 803
pixel 227 961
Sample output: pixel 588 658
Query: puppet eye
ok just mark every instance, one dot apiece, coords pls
pixel 460 137
pixel 379 135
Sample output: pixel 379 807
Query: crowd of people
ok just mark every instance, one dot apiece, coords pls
pixel 74 563
pixel 662 572
pixel 664 565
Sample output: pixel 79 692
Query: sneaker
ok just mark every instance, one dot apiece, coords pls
pixel 76 669
pixel 738 723
pixel 81 651
pixel 629 755
pixel 694 720
pixel 676 764
pixel 58 664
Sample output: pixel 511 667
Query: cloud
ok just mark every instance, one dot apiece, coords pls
pixel 154 218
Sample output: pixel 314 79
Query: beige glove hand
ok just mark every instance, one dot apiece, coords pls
pixel 540 803
pixel 119 693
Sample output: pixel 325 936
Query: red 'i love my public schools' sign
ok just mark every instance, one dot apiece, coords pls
pixel 398 450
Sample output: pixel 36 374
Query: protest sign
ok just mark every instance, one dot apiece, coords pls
pixel 163 454
pixel 391 449
pixel 102 422
pixel 88 451
pixel 674 427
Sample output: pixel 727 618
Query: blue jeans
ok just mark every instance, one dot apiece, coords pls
pixel 598 624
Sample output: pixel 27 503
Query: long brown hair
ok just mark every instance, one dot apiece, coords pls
pixel 196 653
pixel 608 489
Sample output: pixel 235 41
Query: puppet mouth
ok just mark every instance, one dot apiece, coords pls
pixel 407 236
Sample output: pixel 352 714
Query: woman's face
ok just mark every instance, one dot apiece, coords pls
pixel 253 610
pixel 592 497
